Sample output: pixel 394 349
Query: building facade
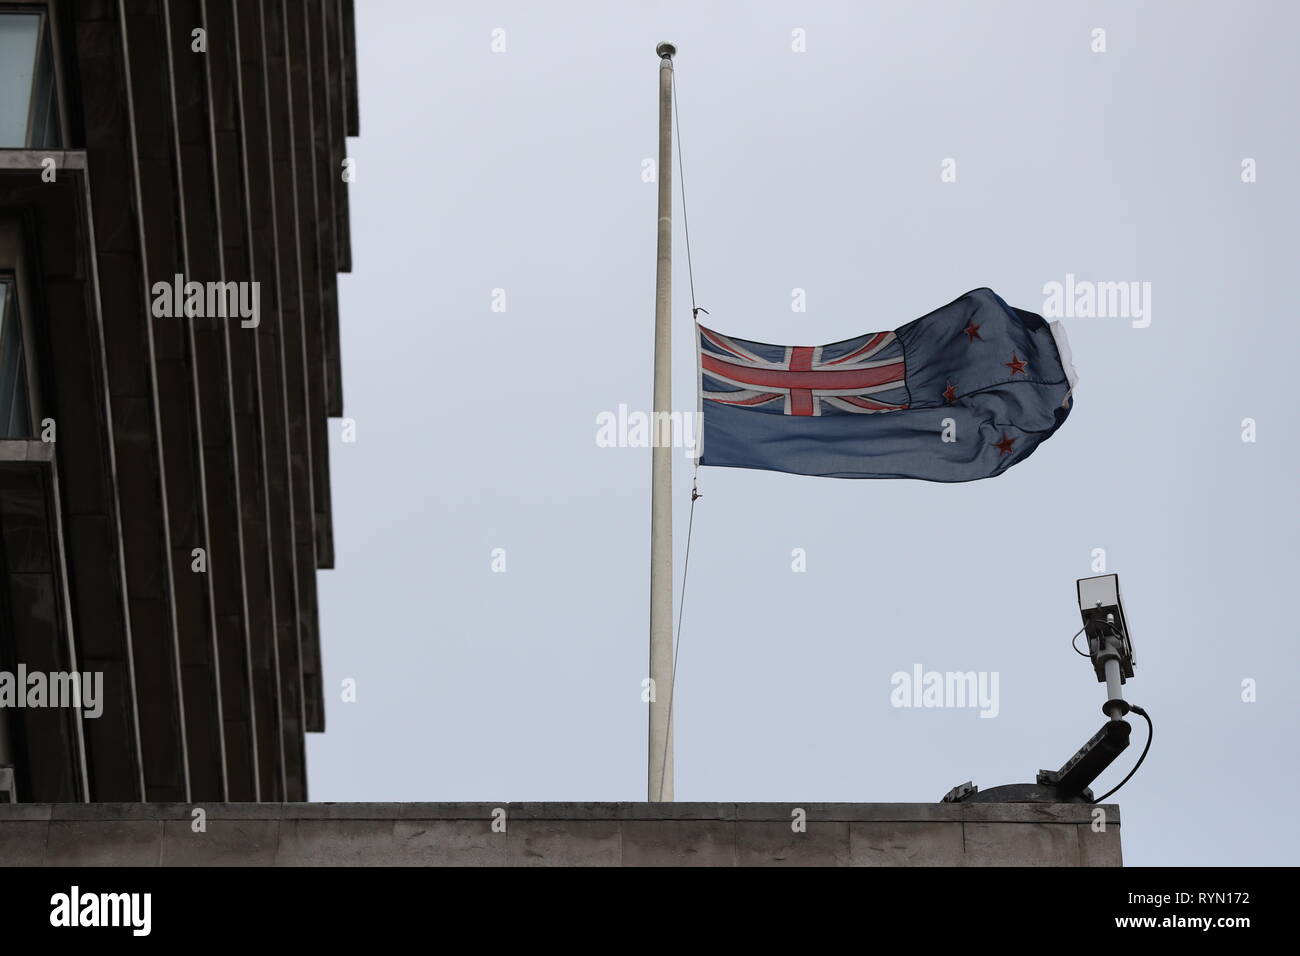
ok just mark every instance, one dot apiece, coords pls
pixel 173 219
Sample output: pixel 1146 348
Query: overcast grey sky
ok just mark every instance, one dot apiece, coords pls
pixel 521 170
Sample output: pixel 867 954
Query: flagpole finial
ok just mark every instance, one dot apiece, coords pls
pixel 666 51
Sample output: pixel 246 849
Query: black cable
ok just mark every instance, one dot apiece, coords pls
pixel 1074 640
pixel 1150 733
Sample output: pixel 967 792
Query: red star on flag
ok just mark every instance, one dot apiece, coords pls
pixel 1005 445
pixel 1017 365
pixel 950 394
pixel 972 332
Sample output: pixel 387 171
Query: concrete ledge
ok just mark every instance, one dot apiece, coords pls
pixel 558 834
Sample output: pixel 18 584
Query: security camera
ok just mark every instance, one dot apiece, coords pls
pixel 1111 651
pixel 1109 644
pixel 1104 619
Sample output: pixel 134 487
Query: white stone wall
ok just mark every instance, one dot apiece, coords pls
pixel 559 834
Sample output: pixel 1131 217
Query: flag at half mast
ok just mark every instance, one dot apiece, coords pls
pixel 962 393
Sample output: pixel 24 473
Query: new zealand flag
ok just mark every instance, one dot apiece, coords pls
pixel 962 393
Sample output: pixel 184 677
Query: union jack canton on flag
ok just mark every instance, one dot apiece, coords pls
pixel 962 393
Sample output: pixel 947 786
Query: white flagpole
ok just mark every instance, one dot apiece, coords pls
pixel 660 778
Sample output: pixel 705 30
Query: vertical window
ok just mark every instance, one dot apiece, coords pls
pixel 15 412
pixel 28 106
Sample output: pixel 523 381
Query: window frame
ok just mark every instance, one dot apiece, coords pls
pixel 14 268
pixel 47 47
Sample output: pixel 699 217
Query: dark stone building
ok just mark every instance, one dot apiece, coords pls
pixel 173 217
